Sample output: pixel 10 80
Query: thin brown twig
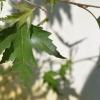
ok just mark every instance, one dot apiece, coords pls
pixel 78 4
pixel 90 13
pixel 43 9
pixel 36 5
pixel 84 6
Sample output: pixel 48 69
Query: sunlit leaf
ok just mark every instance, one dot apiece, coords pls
pixel 41 41
pixel 25 15
pixel 18 44
pixel 19 51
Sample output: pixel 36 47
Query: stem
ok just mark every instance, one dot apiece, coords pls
pixel 84 6
pixel 90 13
pixel 90 58
pixel 43 21
pixel 78 4
pixel 36 5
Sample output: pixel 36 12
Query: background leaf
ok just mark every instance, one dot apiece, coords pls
pixel 64 68
pixel 49 78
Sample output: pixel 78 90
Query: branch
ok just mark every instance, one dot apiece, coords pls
pixel 37 6
pixel 90 13
pixel 78 4
pixel 84 6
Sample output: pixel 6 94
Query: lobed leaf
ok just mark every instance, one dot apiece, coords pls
pixel 41 41
pixel 19 51
pixel 24 59
pixel 18 44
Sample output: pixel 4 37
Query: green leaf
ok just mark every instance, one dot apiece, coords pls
pixel 24 59
pixel 19 51
pixel 67 66
pixel 1 5
pixel 98 20
pixel 7 53
pixel 41 41
pixel 18 44
pixel 46 1
pixel 52 83
pixel 49 78
pixel 6 36
pixel 25 15
pixel 51 2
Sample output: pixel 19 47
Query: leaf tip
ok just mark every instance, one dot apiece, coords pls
pixel 98 21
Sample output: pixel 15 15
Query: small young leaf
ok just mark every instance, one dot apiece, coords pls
pixel 51 2
pixel 25 15
pixel 43 21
